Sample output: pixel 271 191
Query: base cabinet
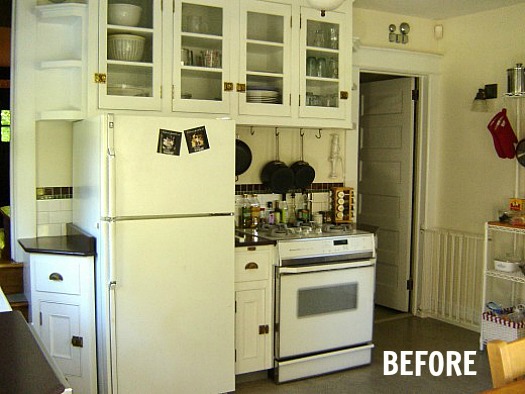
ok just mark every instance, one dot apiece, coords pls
pixel 63 315
pixel 253 309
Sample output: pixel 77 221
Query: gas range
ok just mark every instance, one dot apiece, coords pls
pixel 281 232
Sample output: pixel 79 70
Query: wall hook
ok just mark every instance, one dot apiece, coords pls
pixel 318 136
pixel 252 131
pixel 276 131
pixel 301 132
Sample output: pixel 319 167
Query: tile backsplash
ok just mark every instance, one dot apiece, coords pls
pixel 54 210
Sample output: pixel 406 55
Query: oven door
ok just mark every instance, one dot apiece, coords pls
pixel 322 308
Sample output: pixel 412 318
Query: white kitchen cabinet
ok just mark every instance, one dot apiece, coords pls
pixel 241 59
pixel 265 59
pixel 63 314
pixel 61 68
pixel 126 81
pixel 253 308
pixel 262 49
pixel 501 242
pixel 324 92
pixel 202 69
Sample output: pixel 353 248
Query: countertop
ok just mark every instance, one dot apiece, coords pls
pixel 242 239
pixel 25 368
pixel 75 243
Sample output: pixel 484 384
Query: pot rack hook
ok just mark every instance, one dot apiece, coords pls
pixel 318 136
pixel 276 131
pixel 301 132
pixel 252 131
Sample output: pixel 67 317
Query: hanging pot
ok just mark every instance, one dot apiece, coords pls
pixel 304 173
pixel 276 175
pixel 243 157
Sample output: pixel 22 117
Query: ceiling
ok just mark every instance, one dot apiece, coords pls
pixel 434 9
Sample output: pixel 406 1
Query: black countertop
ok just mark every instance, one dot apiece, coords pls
pixel 75 243
pixel 242 239
pixel 24 367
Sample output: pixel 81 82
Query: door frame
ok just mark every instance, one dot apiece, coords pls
pixel 427 68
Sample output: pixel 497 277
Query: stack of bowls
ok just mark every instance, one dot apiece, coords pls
pixel 124 14
pixel 128 47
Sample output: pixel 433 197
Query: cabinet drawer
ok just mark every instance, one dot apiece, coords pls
pixel 57 276
pixel 252 265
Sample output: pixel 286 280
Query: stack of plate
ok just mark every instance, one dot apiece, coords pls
pixel 265 95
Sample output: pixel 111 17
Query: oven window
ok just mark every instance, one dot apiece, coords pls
pixel 327 299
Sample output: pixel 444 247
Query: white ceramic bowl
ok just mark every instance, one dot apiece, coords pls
pixel 129 47
pixel 506 266
pixel 124 14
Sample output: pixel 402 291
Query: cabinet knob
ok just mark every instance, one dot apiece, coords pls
pixel 55 276
pixel 343 95
pixel 228 86
pixel 241 87
pixel 251 266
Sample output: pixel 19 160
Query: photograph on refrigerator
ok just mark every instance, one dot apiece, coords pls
pixel 197 139
pixel 169 142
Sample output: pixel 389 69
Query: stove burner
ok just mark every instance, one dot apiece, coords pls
pixel 303 230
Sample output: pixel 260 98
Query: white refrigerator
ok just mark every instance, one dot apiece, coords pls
pixel 158 194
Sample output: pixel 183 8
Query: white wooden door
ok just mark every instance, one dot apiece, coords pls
pixel 385 182
pixel 59 324
pixel 250 342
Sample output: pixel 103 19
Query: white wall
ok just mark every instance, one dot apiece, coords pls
pixel 53 153
pixel 473 182
pixel 262 143
pixel 371 27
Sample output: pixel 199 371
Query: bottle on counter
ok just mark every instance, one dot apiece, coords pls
pixel 246 214
pixel 284 211
pixel 277 212
pixel 255 211
pixel 263 218
pixel 270 213
pixel 291 213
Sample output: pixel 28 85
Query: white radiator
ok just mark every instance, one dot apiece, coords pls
pixel 452 270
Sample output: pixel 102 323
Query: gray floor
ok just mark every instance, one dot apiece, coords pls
pixel 395 333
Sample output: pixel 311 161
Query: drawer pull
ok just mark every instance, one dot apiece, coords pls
pixel 55 276
pixel 251 266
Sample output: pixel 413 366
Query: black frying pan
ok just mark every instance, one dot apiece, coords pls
pixel 304 173
pixel 276 175
pixel 243 157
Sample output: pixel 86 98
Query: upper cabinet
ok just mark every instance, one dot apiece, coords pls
pixel 323 93
pixel 260 62
pixel 202 45
pixel 61 61
pixel 264 59
pixel 130 58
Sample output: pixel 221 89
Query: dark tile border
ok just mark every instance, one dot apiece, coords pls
pixel 54 193
pixel 257 188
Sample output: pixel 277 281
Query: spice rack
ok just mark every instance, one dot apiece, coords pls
pixel 343 204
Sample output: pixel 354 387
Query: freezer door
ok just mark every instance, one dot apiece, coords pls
pixel 174 306
pixel 145 181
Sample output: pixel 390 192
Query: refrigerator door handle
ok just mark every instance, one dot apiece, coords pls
pixel 110 135
pixel 113 336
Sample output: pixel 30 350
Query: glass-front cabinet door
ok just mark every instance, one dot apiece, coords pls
pixel 130 66
pixel 322 68
pixel 201 56
pixel 265 45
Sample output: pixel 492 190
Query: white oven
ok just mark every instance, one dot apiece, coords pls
pixel 324 305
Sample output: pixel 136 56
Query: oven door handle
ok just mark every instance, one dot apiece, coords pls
pixel 326 267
